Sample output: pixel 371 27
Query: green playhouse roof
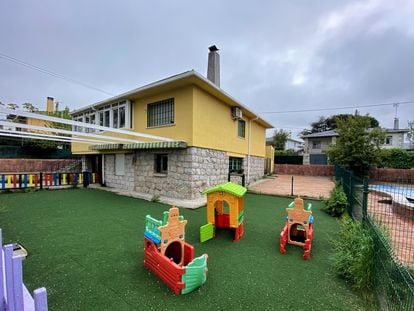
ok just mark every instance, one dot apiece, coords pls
pixel 228 187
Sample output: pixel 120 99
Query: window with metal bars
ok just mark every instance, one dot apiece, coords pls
pixel 160 113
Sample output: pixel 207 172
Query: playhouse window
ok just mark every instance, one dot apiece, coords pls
pixel 160 113
pixel 235 165
pixel 161 163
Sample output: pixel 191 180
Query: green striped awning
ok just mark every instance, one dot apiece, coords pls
pixel 148 145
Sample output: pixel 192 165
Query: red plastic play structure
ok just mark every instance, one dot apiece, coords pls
pixel 299 227
pixel 168 255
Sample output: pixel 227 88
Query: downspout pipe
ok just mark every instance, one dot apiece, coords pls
pixel 248 149
pixel 103 169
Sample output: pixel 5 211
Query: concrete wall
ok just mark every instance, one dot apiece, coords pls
pixel 307 170
pixel 397 141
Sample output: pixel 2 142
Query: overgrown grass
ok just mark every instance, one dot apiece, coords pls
pixel 354 255
pixel 86 248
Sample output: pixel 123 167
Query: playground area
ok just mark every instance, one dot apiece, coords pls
pixel 317 187
pixel 86 247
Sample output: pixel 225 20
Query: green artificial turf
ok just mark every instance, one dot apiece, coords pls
pixel 86 247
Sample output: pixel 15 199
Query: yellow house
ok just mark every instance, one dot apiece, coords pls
pixel 213 136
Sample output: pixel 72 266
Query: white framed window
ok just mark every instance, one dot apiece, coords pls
pixel 116 115
pixel 119 164
pixel 241 128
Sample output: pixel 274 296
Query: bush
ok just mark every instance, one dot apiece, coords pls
pixel 336 204
pixel 397 158
pixel 354 254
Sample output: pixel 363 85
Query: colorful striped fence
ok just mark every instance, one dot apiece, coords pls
pixel 46 180
pixel 14 295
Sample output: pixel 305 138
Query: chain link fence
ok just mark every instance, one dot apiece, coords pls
pixel 387 209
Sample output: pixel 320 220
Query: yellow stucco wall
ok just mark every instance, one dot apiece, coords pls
pixel 180 130
pixel 183 112
pixel 214 128
pixel 200 119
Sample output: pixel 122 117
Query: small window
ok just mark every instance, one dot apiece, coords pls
pixel 120 164
pixel 161 163
pixel 115 118
pixel 316 144
pixel 122 116
pixel 235 165
pixel 101 118
pixel 160 113
pixel 241 128
pixel 87 120
pixel 106 118
pixel 388 140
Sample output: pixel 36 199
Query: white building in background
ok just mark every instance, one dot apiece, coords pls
pixel 291 144
pixel 316 144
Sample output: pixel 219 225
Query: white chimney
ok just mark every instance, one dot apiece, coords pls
pixel 213 69
pixel 396 124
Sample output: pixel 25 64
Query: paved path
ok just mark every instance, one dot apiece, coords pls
pixel 305 186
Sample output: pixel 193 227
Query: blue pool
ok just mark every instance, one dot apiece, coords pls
pixel 401 192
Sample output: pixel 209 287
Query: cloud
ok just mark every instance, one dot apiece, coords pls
pixel 280 55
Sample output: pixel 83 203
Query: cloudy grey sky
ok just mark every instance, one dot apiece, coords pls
pixel 275 55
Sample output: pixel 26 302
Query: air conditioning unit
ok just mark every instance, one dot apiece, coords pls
pixel 236 113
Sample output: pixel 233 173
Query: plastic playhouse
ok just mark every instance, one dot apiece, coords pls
pixel 224 210
pixel 168 255
pixel 299 227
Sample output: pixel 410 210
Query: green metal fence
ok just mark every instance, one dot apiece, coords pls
pixel 387 210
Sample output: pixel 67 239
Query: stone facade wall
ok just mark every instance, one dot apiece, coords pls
pixel 124 182
pixel 257 166
pixel 190 172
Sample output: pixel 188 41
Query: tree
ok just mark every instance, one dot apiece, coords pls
pixel 330 123
pixel 410 133
pixel 358 145
pixel 29 107
pixel 12 106
pixel 279 139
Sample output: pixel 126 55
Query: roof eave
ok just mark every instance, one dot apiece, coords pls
pixel 199 81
